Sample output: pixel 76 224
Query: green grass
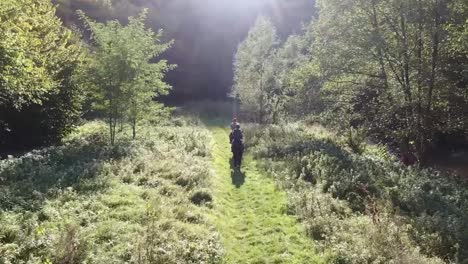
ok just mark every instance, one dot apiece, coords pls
pixel 141 201
pixel 251 213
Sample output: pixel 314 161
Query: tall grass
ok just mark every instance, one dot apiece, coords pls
pixel 141 201
pixel 209 111
pixel 363 206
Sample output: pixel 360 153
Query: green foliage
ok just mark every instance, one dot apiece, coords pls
pixel 90 202
pixel 275 80
pixel 38 60
pixel 394 69
pixel 254 70
pixel 365 207
pixel 34 50
pixel 123 79
pixel 355 139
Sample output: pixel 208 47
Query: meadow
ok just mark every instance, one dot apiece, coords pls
pixel 84 201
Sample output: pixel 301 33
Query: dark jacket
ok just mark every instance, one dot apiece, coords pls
pixel 236 139
pixel 236 135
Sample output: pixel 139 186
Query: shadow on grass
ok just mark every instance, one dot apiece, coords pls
pixel 26 182
pixel 237 176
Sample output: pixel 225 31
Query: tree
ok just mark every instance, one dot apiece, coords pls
pixel 33 48
pixel 254 71
pixel 386 60
pixel 39 101
pixel 123 78
pixel 298 75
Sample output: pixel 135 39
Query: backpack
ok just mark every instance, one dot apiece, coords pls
pixel 237 136
pixel 237 141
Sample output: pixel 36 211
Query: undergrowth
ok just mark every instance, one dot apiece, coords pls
pixel 140 201
pixel 364 206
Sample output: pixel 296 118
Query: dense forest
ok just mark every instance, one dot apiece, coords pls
pixel 115 143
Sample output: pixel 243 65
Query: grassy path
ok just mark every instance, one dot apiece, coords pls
pixel 251 213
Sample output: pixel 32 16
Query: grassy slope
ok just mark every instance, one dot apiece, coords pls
pixel 87 202
pixel 251 216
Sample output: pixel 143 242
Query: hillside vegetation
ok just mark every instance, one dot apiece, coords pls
pixel 140 201
pixel 395 71
pixel 364 207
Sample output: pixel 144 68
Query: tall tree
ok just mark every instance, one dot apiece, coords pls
pixel 39 102
pixel 33 48
pixel 254 71
pixel 122 74
pixel 298 75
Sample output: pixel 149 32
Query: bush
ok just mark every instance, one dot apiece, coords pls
pixel 40 98
pixel 354 139
pixel 201 197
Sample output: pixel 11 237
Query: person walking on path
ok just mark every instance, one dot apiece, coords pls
pixel 236 139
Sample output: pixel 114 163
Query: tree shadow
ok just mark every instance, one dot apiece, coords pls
pixel 237 176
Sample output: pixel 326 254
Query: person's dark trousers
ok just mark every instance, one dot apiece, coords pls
pixel 237 158
pixel 239 161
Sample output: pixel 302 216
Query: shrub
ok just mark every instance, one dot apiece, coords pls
pixel 201 197
pixel 363 206
pixel 354 139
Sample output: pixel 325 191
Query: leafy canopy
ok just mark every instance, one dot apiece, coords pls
pixel 34 48
pixel 122 74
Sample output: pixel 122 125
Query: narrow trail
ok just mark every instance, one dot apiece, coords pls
pixel 250 213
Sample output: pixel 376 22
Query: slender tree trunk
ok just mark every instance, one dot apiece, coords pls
pixel 134 128
pixel 121 124
pixel 419 115
pixel 420 62
pixel 275 112
pixel 111 120
pixel 113 131
pixel 406 59
pixel 376 28
pixel 405 73
pixel 261 100
pixel 434 58
pixel 110 130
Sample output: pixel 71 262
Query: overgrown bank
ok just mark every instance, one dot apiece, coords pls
pixel 140 201
pixel 364 208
